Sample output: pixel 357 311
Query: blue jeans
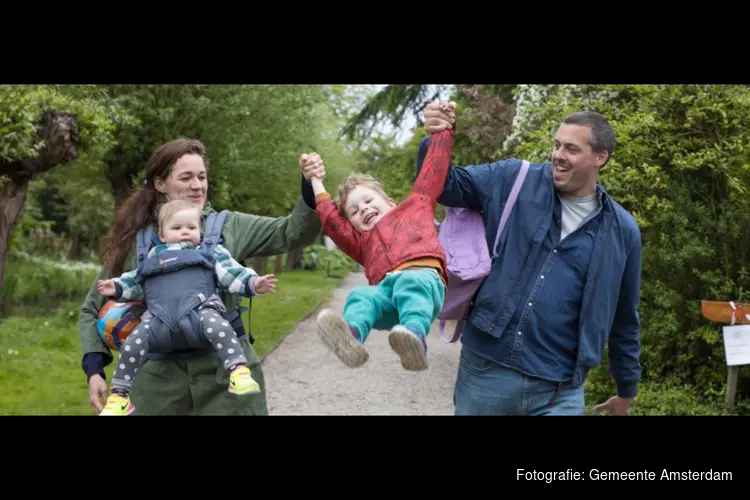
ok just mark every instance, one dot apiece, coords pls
pixel 484 387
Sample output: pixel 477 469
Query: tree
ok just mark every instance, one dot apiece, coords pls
pixel 42 127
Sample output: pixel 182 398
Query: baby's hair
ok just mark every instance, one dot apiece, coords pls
pixel 169 209
pixel 351 183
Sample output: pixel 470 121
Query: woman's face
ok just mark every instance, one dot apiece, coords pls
pixel 188 181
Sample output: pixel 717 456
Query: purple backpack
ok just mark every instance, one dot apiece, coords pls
pixel 462 235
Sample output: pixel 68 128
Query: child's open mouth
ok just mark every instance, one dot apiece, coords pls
pixel 369 217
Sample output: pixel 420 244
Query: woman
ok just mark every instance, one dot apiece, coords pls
pixel 195 384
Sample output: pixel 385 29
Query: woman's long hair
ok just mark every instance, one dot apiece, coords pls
pixel 142 206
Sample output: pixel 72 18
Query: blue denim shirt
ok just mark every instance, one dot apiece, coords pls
pixel 549 307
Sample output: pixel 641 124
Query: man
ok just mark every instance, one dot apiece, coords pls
pixel 566 280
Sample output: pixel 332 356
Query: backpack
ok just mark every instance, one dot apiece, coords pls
pixel 468 260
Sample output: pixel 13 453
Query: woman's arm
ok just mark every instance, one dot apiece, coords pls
pixel 250 235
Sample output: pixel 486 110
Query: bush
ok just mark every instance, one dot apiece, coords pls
pixel 340 262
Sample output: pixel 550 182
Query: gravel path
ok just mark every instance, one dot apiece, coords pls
pixel 304 378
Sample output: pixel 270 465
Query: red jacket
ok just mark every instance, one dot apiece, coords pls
pixel 404 234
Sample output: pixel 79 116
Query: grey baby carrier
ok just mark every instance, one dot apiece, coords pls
pixel 173 298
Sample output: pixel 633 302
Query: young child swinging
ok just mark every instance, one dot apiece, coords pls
pixel 179 229
pixel 404 261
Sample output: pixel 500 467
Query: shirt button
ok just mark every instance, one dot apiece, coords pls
pixel 529 304
pixel 519 333
pixel 542 276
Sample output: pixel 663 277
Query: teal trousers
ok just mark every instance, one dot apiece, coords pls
pixel 412 298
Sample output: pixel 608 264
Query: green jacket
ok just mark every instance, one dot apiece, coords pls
pixel 245 236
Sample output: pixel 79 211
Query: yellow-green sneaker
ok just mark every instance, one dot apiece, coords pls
pixel 117 405
pixel 241 382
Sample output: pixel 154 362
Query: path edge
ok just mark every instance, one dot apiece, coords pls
pixel 314 310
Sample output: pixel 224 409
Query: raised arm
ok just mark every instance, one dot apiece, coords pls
pixel 435 163
pixel 336 226
pixel 257 235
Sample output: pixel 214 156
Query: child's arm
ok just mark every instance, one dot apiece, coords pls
pixel 334 225
pixel 125 286
pixel 236 278
pixel 431 179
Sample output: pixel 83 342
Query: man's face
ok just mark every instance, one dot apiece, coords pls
pixel 574 165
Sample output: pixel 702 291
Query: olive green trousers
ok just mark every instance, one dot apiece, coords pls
pixel 196 386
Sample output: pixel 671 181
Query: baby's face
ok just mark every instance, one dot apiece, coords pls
pixel 183 226
pixel 365 207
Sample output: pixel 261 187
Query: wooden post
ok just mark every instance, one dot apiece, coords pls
pixel 729 313
pixel 732 374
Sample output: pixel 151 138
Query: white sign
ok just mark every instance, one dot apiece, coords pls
pixel 737 344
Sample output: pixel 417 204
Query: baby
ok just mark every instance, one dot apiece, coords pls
pixel 179 230
pixel 404 261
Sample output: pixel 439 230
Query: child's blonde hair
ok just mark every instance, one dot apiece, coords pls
pixel 351 183
pixel 170 208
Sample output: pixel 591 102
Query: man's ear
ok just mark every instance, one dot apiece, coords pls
pixel 601 158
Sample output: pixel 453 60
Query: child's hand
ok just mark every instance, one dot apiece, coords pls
pixel 265 284
pixel 312 166
pixel 106 288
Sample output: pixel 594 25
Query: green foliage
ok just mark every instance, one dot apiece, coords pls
pixel 40 281
pixel 21 110
pixel 339 262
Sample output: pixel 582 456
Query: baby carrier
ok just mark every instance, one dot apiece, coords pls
pixel 464 240
pixel 172 298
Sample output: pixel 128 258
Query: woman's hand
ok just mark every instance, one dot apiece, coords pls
pixel 97 392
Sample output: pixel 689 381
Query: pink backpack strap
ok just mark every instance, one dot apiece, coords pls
pixel 509 204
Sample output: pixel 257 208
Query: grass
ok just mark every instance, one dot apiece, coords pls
pixel 40 354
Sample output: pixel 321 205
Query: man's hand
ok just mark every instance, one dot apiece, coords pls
pixel 265 284
pixel 439 116
pixel 97 392
pixel 615 406
pixel 106 288
pixel 312 166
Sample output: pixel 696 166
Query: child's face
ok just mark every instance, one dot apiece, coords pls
pixel 183 226
pixel 365 207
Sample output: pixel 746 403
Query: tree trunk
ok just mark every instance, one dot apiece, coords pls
pixel 12 198
pixel 60 134
pixel 120 178
pixel 277 269
pixel 291 259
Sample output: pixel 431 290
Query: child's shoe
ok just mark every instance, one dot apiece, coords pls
pixel 241 382
pixel 117 405
pixel 341 339
pixel 410 346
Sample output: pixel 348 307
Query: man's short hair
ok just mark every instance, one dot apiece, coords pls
pixel 602 136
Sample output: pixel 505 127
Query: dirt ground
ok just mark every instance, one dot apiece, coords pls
pixel 303 378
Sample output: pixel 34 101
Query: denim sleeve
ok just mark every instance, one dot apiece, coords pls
pixel 625 338
pixel 465 187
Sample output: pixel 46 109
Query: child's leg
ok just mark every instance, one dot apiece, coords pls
pixel 370 306
pixel 418 296
pixel 366 307
pixel 219 332
pixel 131 353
